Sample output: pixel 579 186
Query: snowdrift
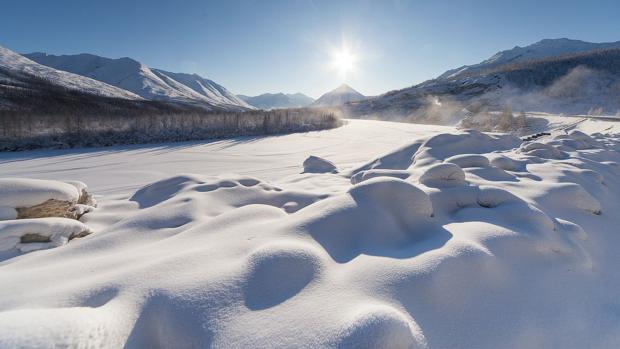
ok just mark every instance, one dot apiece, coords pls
pixel 464 240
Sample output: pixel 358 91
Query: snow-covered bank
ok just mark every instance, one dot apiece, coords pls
pixel 446 240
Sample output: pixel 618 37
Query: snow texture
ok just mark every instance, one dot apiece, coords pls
pixel 432 247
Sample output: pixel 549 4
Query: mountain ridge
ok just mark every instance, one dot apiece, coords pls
pixel 149 83
pixel 541 49
pixel 19 65
pixel 551 78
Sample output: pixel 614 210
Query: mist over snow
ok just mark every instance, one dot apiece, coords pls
pixel 555 76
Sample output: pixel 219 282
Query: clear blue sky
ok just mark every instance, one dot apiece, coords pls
pixel 257 46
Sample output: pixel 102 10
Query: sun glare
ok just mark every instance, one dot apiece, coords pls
pixel 343 61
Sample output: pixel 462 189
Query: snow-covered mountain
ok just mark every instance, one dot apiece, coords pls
pixel 559 76
pixel 278 100
pixel 539 50
pixel 341 95
pixel 152 84
pixel 17 69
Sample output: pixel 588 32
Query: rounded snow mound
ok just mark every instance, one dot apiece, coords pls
pixel 395 195
pixel 362 176
pixel 315 164
pixel 468 160
pixel 164 189
pixel 223 193
pixel 576 140
pixel 490 197
pixel 504 163
pixel 445 145
pixel 376 217
pixel 278 272
pixel 571 196
pixel 443 175
pixel 542 150
pixel 381 327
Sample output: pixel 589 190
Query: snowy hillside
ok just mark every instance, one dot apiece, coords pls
pixel 576 83
pixel 148 83
pixel 20 67
pixel 542 49
pixel 278 100
pixel 415 236
pixel 215 93
pixel 339 96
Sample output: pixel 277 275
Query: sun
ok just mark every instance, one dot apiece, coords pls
pixel 343 61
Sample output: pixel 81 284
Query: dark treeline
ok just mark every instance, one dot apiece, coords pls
pixel 38 114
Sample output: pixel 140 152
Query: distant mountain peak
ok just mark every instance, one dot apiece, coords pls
pixel 344 88
pixel 339 96
pixel 278 100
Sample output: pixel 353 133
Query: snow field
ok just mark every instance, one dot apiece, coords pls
pixel 454 240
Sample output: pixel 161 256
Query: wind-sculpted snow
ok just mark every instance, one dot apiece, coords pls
pixel 462 240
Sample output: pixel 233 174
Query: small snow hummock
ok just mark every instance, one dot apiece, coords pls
pixel 315 164
pixel 443 175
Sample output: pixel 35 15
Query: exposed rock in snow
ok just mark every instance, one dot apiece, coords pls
pixel 37 214
pixel 28 235
pixel 35 198
pixel 315 164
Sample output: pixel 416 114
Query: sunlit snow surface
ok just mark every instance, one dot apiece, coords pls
pixel 448 239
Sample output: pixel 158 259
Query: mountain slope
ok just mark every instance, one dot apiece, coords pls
pixel 572 82
pixel 21 68
pixel 539 50
pixel 140 79
pixel 217 94
pixel 341 95
pixel 278 100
